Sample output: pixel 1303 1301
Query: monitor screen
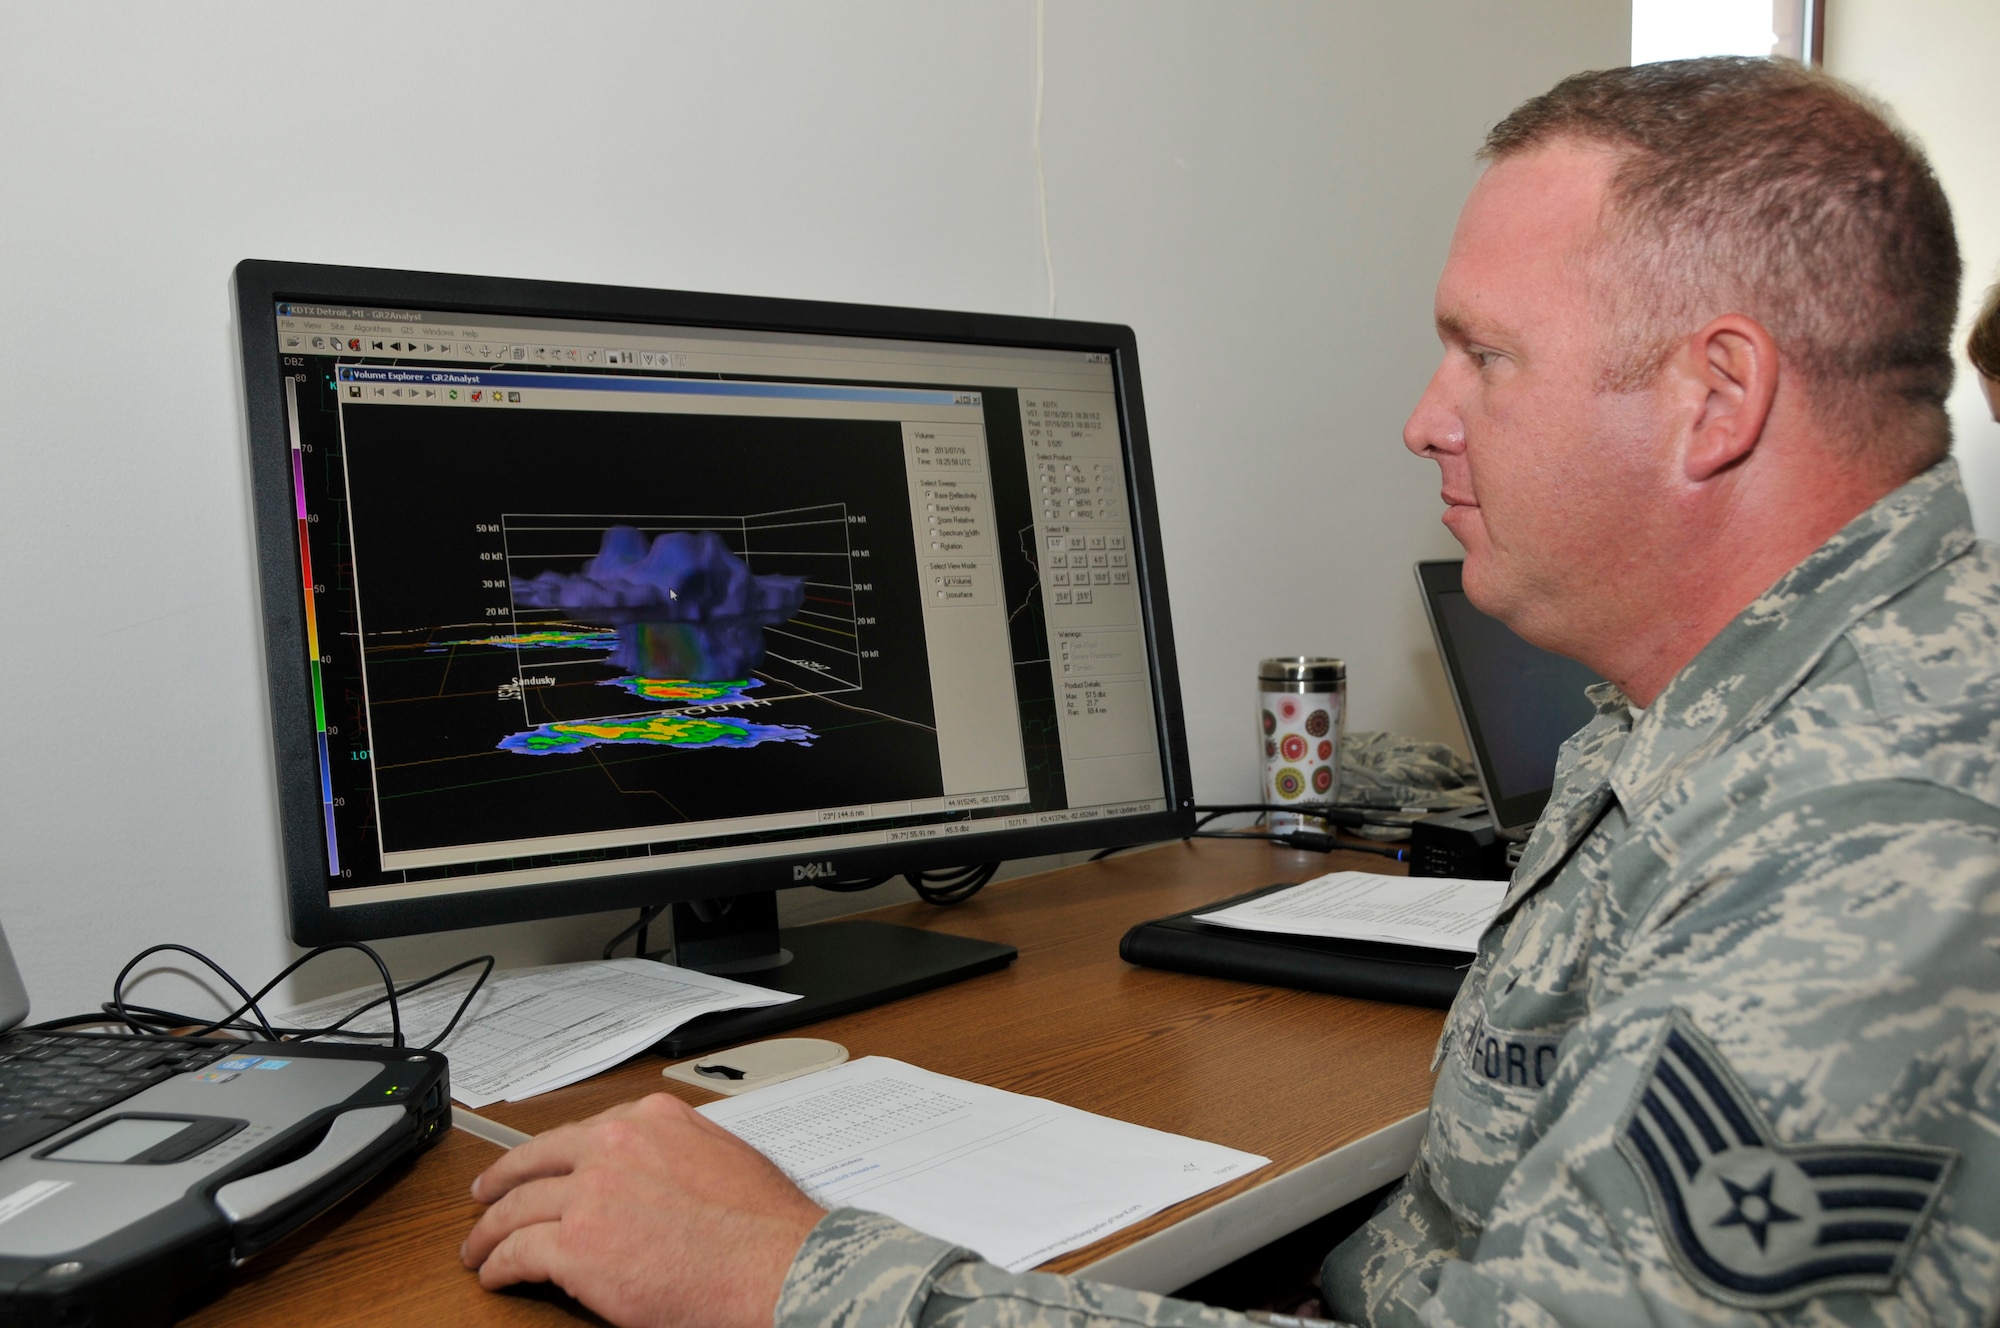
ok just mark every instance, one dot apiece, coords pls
pixel 584 597
pixel 1519 703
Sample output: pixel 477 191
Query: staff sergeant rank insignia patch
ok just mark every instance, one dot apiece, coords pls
pixel 1755 1222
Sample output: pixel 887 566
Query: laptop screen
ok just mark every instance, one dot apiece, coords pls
pixel 1518 702
pixel 13 993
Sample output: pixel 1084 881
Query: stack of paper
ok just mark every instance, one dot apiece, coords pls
pixel 533 1029
pixel 1018 1179
pixel 1443 913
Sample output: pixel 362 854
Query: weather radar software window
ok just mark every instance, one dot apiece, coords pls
pixel 594 597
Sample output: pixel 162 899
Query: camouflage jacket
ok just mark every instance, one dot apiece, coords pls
pixel 1731 1053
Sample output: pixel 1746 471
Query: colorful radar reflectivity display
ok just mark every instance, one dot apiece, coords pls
pixel 667 730
pixel 733 692
pixel 585 638
pixel 690 727
pixel 684 618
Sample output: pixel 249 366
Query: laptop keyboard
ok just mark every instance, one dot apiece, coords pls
pixel 49 1081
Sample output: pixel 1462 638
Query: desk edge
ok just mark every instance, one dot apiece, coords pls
pixel 1214 1237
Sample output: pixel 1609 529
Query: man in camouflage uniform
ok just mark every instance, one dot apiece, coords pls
pixel 1731 1053
pixel 1735 1047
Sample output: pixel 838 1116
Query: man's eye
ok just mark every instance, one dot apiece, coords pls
pixel 1485 359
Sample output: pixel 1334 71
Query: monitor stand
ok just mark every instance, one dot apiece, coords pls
pixel 836 967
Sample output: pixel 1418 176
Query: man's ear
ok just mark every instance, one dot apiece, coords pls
pixel 1730 368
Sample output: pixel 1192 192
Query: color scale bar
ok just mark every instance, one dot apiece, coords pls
pixel 312 640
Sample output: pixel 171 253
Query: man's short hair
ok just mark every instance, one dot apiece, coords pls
pixel 1764 188
pixel 1983 346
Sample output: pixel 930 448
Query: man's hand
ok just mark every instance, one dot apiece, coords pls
pixel 649 1214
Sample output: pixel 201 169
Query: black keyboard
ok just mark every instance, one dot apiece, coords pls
pixel 49 1081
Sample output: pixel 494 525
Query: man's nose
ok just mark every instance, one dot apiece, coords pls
pixel 1433 428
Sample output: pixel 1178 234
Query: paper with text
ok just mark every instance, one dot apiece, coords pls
pixel 533 1029
pixel 1018 1179
pixel 1443 913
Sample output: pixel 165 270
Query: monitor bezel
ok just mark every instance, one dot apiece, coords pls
pixel 312 919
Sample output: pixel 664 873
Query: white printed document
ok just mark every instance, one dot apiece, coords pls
pixel 1018 1179
pixel 1441 912
pixel 530 1030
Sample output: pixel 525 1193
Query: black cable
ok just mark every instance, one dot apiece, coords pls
pixel 855 885
pixel 1349 817
pixel 1309 840
pixel 463 1005
pixel 1343 815
pixel 340 1025
pixel 388 985
pixel 953 885
pixel 646 918
pixel 249 1001
pixel 146 1019
pixel 947 875
pixel 949 885
pixel 1202 821
pixel 962 888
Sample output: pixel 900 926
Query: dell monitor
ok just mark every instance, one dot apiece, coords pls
pixel 579 598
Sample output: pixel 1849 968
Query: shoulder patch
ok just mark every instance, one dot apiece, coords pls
pixel 1755 1222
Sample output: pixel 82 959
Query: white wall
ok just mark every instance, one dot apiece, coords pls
pixel 1264 192
pixel 1932 61
pixel 1680 29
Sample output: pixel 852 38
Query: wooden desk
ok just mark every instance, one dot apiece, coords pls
pixel 1331 1090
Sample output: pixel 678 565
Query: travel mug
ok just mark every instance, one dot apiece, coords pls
pixel 1301 713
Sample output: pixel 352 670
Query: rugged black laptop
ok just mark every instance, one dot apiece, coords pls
pixel 136 1171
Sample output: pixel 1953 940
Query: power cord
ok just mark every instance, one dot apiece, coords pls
pixel 854 885
pixel 944 887
pixel 147 1019
pixel 647 916
pixel 1333 813
pixel 1347 817
pixel 1310 840
pixel 953 885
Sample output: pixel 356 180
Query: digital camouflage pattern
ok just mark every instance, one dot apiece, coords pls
pixel 1791 863
pixel 1731 1053
pixel 1396 770
pixel 859 1270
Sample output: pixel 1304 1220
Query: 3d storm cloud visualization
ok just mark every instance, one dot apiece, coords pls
pixel 683 604
pixel 689 617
